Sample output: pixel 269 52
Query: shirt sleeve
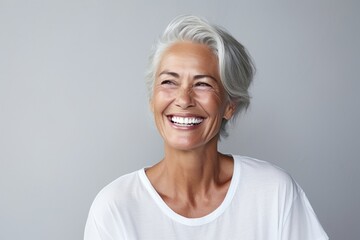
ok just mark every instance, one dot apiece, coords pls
pixel 301 222
pixel 103 222
pixel 91 230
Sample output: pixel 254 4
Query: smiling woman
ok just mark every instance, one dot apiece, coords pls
pixel 198 80
pixel 189 101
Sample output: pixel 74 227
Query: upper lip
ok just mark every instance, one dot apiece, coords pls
pixel 184 115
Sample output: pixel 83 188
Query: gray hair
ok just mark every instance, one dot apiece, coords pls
pixel 235 65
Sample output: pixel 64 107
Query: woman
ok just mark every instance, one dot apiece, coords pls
pixel 198 81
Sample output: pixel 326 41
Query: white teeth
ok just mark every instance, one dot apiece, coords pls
pixel 186 120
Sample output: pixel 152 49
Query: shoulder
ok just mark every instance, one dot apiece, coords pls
pixel 105 217
pixel 274 191
pixel 265 175
pixel 261 168
pixel 118 193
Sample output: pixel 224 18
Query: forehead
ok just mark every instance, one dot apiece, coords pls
pixel 188 55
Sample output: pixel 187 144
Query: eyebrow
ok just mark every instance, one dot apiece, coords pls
pixel 205 76
pixel 176 75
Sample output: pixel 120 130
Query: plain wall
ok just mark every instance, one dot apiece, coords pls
pixel 74 113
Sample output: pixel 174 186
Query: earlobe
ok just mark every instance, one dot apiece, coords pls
pixel 229 111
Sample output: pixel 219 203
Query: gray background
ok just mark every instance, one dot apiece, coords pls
pixel 74 113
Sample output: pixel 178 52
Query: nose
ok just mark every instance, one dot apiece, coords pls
pixel 184 98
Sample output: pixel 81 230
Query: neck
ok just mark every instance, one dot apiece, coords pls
pixel 194 182
pixel 192 173
pixel 192 169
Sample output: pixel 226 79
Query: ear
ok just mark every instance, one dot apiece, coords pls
pixel 229 110
pixel 151 105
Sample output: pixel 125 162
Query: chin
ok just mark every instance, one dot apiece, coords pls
pixel 182 146
pixel 188 144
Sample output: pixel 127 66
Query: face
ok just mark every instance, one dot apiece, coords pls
pixel 189 100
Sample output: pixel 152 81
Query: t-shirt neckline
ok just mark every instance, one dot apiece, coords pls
pixel 194 221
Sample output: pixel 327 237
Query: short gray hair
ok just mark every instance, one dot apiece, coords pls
pixel 236 68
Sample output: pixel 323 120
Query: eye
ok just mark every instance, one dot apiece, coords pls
pixel 203 85
pixel 167 82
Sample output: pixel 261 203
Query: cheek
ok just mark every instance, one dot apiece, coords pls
pixel 211 101
pixel 160 100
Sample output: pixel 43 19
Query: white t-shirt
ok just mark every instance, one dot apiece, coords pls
pixel 262 202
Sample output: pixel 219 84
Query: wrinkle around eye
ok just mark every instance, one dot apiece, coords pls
pixel 168 84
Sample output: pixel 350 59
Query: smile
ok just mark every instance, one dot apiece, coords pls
pixel 186 121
